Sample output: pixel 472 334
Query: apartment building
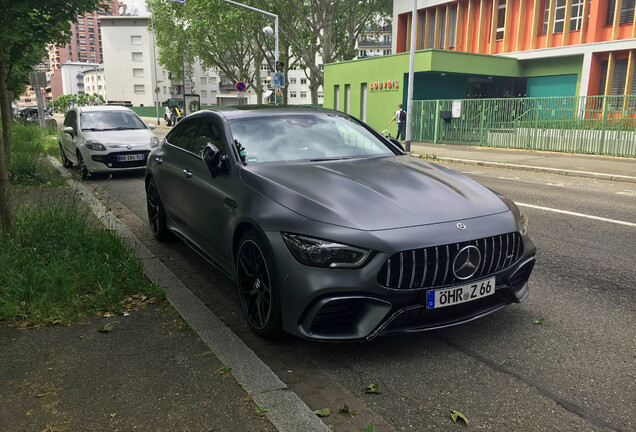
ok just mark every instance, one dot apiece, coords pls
pixel 85 45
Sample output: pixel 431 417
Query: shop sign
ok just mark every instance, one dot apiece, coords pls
pixel 384 86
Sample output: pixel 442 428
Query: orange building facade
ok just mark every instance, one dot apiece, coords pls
pixel 600 32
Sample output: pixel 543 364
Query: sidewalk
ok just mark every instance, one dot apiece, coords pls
pixel 581 165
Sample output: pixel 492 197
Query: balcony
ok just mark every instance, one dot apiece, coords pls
pixel 373 44
pixel 226 86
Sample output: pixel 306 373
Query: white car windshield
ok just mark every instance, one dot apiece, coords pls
pixel 110 120
pixel 304 137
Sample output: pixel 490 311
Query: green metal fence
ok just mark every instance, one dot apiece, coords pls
pixel 592 124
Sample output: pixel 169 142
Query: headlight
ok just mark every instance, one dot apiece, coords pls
pixel 324 253
pixel 95 145
pixel 154 142
pixel 523 224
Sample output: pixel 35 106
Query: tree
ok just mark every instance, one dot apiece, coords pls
pixel 328 28
pixel 27 27
pixel 214 33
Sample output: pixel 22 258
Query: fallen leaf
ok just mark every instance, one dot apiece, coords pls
pixel 323 412
pixel 372 388
pixel 369 428
pixel 225 370
pixel 458 415
pixel 540 320
pixel 108 327
pixel 346 410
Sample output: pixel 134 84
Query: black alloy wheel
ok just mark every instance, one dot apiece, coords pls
pixel 258 290
pixel 156 213
pixel 82 166
pixel 66 162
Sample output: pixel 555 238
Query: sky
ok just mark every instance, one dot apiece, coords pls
pixel 140 5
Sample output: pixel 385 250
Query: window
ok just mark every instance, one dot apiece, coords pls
pixel 292 80
pixel 292 94
pixel 321 67
pixel 347 98
pixel 303 81
pixel 208 133
pixel 618 80
pixel 184 135
pixel 204 80
pixel 135 40
pixel 164 90
pixel 137 57
pixel 362 53
pixel 501 19
pixel 138 73
pixel 559 15
pixel 627 12
pixel 336 97
pixel 303 94
pixel 140 88
pixel 204 93
pixel 453 25
pixel 264 81
pixel 212 80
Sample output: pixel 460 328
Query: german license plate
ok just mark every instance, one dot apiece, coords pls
pixel 132 157
pixel 440 298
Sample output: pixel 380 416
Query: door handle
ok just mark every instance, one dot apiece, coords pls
pixel 230 203
pixel 159 160
pixel 187 173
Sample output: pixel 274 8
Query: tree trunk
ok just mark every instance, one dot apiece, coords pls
pixel 6 209
pixel 258 59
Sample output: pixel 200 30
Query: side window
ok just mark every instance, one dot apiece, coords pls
pixel 71 120
pixel 186 133
pixel 208 133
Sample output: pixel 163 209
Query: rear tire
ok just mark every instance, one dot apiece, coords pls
pixel 66 162
pixel 156 213
pixel 258 286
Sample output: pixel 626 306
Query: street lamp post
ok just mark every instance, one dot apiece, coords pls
pixel 269 14
pixel 154 60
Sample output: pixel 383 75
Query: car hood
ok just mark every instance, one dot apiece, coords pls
pixel 375 193
pixel 116 138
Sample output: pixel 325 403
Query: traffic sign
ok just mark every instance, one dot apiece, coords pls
pixel 240 87
pixel 278 79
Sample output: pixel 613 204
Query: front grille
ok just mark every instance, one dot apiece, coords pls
pixel 112 159
pixel 432 266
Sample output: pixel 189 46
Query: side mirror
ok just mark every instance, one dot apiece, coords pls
pixel 151 126
pixel 397 143
pixel 69 130
pixel 212 157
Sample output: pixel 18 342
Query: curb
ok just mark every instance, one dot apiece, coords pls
pixel 561 171
pixel 284 409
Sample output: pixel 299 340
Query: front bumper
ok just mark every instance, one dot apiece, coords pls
pixel 109 162
pixel 346 305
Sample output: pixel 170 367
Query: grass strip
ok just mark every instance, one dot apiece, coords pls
pixel 59 265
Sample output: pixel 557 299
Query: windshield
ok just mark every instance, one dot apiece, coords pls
pixel 304 137
pixel 110 120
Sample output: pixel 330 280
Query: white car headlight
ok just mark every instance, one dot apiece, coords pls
pixel 154 142
pixel 324 253
pixel 95 145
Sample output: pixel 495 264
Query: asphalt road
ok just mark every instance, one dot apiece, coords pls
pixel 576 371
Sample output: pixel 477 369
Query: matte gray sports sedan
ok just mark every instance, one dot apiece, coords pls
pixel 330 230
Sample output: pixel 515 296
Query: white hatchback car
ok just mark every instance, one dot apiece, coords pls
pixel 105 139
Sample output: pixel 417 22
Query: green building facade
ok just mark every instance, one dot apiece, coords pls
pixel 371 88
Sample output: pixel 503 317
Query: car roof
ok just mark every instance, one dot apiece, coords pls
pixel 247 111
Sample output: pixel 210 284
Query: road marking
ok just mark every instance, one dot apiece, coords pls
pixel 628 193
pixel 619 222
pixel 509 178
pixel 555 184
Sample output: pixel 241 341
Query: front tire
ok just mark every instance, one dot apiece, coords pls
pixel 80 161
pixel 156 213
pixel 258 286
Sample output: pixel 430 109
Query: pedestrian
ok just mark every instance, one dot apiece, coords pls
pixel 166 116
pixel 400 116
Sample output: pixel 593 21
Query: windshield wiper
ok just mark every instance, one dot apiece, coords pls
pixel 93 129
pixel 328 159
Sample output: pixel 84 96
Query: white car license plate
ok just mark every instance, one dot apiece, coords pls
pixel 440 298
pixel 132 157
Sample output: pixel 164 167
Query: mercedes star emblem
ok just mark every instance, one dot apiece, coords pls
pixel 461 226
pixel 466 262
